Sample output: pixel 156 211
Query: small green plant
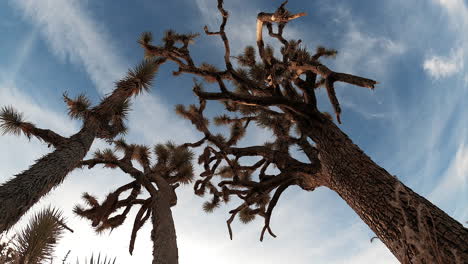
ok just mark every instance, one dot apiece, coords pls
pixel 35 244
pixel 98 260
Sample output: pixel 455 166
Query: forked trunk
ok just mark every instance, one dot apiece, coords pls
pixel 163 233
pixel 19 194
pixel 415 230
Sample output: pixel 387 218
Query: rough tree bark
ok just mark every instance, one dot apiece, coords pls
pixel 415 230
pixel 25 189
pixel 163 233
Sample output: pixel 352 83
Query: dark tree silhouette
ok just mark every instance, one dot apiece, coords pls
pixel 278 93
pixel 105 121
pixel 172 168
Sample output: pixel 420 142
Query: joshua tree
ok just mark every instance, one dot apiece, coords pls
pixel 105 121
pixel 172 168
pixel 278 93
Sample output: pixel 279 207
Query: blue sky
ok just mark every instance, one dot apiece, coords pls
pixel 414 124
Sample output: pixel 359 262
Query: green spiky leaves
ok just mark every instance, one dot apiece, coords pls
pixel 145 38
pixel 246 216
pixel 120 144
pixel 11 122
pixel 121 110
pixel 142 155
pixel 209 69
pixel 248 57
pixel 171 37
pixel 324 52
pixel 36 243
pixel 174 161
pixel 108 155
pixel 99 214
pixel 99 260
pixel 78 108
pixel 210 206
pixel 192 114
pixel 140 78
pixel 142 75
pixel 162 152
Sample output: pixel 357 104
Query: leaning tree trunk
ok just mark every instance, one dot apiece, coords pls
pixel 415 230
pixel 163 233
pixel 19 194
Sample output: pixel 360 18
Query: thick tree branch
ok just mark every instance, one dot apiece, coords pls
pixel 325 72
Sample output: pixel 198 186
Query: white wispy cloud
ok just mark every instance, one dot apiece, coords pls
pixel 362 50
pixel 453 185
pixel 74 36
pixel 366 54
pixel 457 8
pixel 441 67
pixel 445 66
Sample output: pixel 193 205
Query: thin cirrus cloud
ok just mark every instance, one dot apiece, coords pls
pixel 73 35
pixel 438 66
pixel 455 182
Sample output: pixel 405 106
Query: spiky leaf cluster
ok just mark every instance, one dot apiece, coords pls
pixel 106 154
pixel 171 38
pixel 246 215
pixel 11 122
pixel 174 162
pixel 78 108
pixel 99 213
pixel 192 115
pixel 141 77
pixel 247 58
pixel 36 243
pixel 98 260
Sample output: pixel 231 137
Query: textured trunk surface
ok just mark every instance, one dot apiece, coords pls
pixel 163 233
pixel 415 230
pixel 20 193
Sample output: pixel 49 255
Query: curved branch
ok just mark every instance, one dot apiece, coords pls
pixel 138 223
pixel 271 206
pixel 222 33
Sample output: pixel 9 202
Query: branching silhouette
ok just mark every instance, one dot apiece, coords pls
pixel 105 121
pixel 278 93
pixel 172 167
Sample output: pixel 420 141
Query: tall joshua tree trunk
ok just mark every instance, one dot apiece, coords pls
pixel 412 228
pixel 25 189
pixel 163 234
pixel 105 121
